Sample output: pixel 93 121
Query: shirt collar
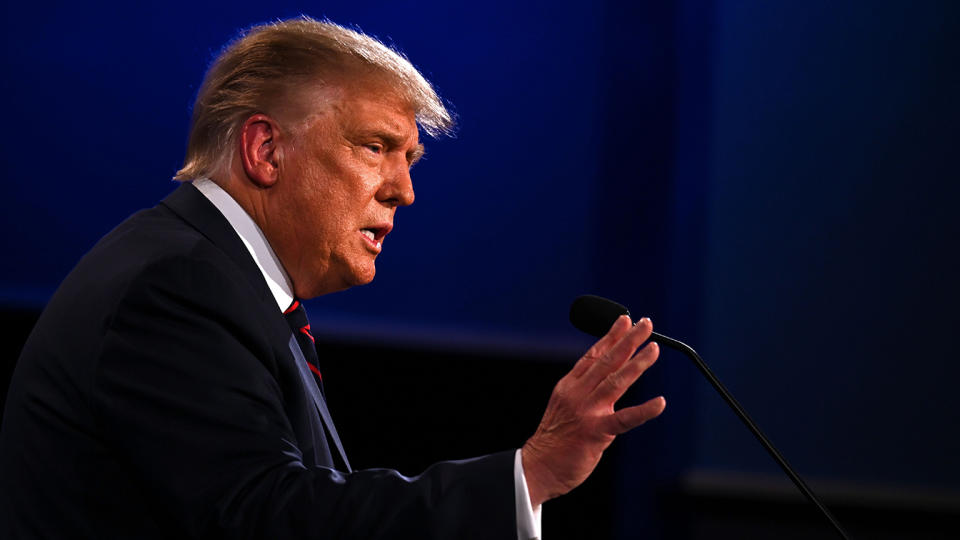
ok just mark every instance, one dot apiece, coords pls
pixel 277 279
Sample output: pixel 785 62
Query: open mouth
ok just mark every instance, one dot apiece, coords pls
pixel 375 235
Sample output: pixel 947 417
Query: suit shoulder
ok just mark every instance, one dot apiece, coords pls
pixel 153 252
pixel 151 236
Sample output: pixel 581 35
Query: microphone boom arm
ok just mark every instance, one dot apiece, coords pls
pixel 751 425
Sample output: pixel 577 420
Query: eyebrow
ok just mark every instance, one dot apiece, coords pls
pixel 394 140
pixel 413 156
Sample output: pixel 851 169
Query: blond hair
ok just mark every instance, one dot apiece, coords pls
pixel 267 60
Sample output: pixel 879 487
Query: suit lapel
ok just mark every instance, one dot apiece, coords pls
pixel 191 206
pixel 318 399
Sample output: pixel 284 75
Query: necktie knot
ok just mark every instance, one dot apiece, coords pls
pixel 296 317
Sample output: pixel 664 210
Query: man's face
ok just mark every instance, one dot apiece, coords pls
pixel 342 175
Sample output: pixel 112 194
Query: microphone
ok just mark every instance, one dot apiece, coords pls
pixel 595 315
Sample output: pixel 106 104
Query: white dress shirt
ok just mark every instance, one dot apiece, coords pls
pixel 528 518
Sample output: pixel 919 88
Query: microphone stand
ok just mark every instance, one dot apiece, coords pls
pixel 742 414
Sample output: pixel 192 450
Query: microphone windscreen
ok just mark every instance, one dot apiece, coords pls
pixel 595 314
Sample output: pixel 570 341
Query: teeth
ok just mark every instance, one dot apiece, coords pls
pixel 371 235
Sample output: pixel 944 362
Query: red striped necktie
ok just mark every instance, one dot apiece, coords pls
pixel 297 319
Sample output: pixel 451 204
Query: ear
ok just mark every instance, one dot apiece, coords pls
pixel 258 149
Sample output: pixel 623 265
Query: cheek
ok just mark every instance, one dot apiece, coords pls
pixel 336 194
pixel 320 204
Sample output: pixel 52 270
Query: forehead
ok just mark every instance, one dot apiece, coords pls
pixel 362 103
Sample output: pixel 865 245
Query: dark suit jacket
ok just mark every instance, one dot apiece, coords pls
pixel 158 397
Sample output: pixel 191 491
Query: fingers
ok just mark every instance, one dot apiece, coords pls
pixel 628 418
pixel 618 353
pixel 633 339
pixel 619 328
pixel 613 386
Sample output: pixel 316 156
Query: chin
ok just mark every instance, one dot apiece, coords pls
pixel 333 281
pixel 356 277
pixel 364 277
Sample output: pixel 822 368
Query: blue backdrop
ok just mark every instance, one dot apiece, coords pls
pixel 775 183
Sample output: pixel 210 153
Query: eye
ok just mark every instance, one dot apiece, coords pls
pixel 376 148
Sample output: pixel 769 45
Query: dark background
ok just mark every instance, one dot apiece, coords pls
pixel 773 182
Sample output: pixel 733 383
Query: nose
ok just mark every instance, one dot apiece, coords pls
pixel 398 189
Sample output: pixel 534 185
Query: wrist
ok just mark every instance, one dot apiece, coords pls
pixel 534 475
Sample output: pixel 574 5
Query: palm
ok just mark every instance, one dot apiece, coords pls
pixel 580 421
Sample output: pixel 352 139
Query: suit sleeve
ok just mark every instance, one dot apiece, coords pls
pixel 186 393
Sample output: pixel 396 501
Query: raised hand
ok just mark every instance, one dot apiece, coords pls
pixel 580 422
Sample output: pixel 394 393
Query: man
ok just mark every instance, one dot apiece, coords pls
pixel 169 390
